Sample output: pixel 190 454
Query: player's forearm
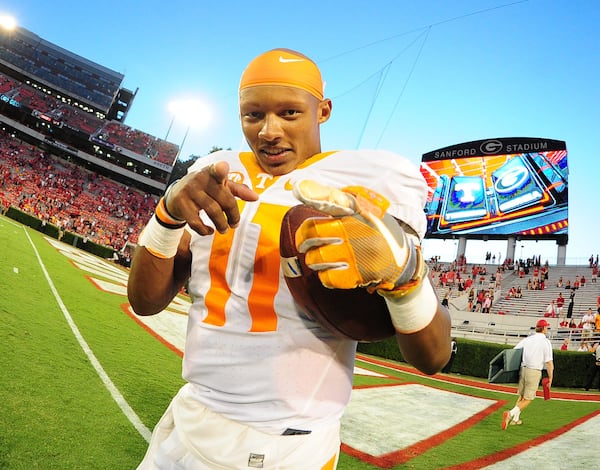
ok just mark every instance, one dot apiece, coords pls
pixel 153 282
pixel 428 349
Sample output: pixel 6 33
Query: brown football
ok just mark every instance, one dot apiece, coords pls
pixel 348 313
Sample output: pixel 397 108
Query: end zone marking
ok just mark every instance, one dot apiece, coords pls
pixel 427 417
pixel 564 444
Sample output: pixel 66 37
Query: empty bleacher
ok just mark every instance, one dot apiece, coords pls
pixel 511 319
pixel 534 302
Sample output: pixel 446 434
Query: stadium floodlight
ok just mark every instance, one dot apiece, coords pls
pixel 194 113
pixel 8 22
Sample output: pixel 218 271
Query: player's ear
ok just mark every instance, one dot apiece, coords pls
pixel 324 110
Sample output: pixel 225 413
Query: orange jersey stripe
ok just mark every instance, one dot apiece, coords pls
pixel 266 269
pixel 219 292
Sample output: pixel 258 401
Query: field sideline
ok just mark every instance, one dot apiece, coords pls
pixel 84 381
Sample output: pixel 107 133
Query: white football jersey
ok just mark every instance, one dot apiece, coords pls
pixel 250 353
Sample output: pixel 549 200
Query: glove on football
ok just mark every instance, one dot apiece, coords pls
pixel 361 245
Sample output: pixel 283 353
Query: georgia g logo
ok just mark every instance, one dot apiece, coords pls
pixel 490 147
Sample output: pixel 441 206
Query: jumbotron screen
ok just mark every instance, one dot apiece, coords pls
pixel 496 188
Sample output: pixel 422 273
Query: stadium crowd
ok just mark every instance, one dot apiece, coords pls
pixel 70 197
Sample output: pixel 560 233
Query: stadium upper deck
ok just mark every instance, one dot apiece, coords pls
pixel 27 53
pixel 74 108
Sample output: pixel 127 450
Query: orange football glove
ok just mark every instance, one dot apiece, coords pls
pixel 361 245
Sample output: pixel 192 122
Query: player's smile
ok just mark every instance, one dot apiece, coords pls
pixel 276 155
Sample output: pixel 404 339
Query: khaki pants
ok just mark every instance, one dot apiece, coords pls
pixel 190 436
pixel 529 381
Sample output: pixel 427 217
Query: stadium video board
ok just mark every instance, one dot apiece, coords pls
pixel 496 188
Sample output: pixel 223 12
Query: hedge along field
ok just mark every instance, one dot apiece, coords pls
pixel 57 413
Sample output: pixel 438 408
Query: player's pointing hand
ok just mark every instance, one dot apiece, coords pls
pixel 210 191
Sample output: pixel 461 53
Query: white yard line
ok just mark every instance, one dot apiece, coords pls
pixel 108 383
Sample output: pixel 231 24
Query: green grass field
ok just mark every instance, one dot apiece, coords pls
pixel 57 413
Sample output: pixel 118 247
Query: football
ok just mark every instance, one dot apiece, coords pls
pixel 347 313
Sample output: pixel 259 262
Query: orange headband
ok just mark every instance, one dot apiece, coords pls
pixel 284 67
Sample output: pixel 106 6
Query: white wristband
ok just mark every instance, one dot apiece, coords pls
pixel 160 241
pixel 414 311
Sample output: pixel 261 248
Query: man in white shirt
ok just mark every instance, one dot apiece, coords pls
pixel 588 325
pixel 537 353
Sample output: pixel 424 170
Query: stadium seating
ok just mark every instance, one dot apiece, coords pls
pixel 112 132
pixel 511 319
pixel 7 84
pixel 79 120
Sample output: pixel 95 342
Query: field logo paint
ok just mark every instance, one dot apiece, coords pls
pixel 114 279
pixel 90 263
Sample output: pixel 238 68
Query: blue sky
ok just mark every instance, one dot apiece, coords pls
pixel 406 76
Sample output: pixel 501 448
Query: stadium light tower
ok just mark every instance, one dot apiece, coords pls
pixel 521 251
pixel 194 113
pixel 8 22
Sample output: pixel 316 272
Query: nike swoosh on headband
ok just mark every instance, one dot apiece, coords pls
pixel 283 60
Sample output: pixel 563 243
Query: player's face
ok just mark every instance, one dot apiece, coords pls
pixel 281 125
